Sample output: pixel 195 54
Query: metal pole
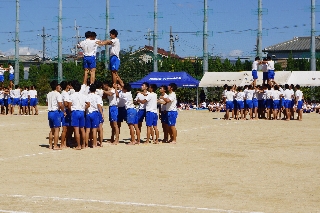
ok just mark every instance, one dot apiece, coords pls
pixel 205 37
pixel 259 35
pixel 60 77
pixel 16 65
pixel 107 54
pixel 171 41
pixel 43 45
pixel 155 37
pixel 77 41
pixel 313 37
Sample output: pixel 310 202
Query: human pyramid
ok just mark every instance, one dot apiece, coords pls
pixel 79 108
pixel 267 101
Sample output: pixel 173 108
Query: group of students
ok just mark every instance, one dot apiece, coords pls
pixel 11 74
pixel 79 110
pixel 25 99
pixel 269 101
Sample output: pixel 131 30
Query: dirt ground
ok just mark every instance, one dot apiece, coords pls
pixel 216 166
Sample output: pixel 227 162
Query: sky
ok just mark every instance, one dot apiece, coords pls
pixel 232 24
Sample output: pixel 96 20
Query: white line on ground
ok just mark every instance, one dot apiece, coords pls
pixel 29 155
pixel 127 203
pixel 8 211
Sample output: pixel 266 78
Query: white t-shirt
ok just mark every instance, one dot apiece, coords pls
pixel 264 95
pixel 240 96
pixel 2 71
pixel 299 95
pixel 270 65
pixel 89 47
pixel 71 91
pixel 16 93
pixel 53 98
pixel 1 94
pixel 85 90
pixel 11 70
pixel 276 95
pixel 224 93
pixel 141 97
pixel 65 96
pixel 255 65
pixel 127 98
pixel 151 102
pixel 229 95
pixel 99 92
pixel 33 93
pixel 264 68
pixel 78 101
pixel 249 94
pixel 287 94
pixel 163 106
pixel 94 101
pixel 24 94
pixel 292 93
pixel 115 48
pixel 113 98
pixel 172 105
pixel 121 101
pixel 269 94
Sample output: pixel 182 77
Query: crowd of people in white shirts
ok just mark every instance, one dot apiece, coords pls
pixel 79 110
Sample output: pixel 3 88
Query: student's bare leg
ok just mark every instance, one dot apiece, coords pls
pixel 114 76
pixel 50 138
pixel 94 137
pixel 100 134
pixel 148 134
pixel 116 132
pixel 288 114
pixel 119 126
pixel 55 132
pixel 227 114
pixel 77 137
pixel 137 133
pixel 63 137
pixel 83 137
pixel 85 77
pixel 87 135
pixel 132 138
pixel 174 133
pixel 156 131
pixel 92 75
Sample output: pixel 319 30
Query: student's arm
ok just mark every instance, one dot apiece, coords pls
pixel 60 106
pixel 107 93
pixel 120 80
pixel 116 91
pixel 142 101
pixel 105 42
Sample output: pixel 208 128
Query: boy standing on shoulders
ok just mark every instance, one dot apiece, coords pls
pixel 255 66
pixel 172 113
pixel 54 102
pixel 151 116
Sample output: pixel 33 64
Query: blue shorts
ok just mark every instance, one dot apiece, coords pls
pixel 141 115
pixel 269 104
pixel 114 63
pixel 300 103
pixel 77 119
pixel 287 104
pixel 271 74
pixel 33 101
pixel 16 101
pixel 24 102
pixel 113 113
pixel 276 104
pixel 54 119
pixel 164 117
pixel 132 116
pixel 249 104
pixel 254 74
pixel 66 120
pixel 1 102
pixel 172 118
pixel 122 114
pixel 1 78
pixel 265 76
pixel 92 120
pixel 240 104
pixel 89 62
pixel 151 119
pixel 11 77
pixel 101 120
pixel 229 105
pixel 255 103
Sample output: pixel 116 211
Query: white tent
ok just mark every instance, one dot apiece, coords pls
pixel 218 79
pixel 305 78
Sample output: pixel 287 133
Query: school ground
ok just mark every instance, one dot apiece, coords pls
pixel 216 166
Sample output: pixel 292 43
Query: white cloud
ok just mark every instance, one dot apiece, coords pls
pixel 22 51
pixel 235 53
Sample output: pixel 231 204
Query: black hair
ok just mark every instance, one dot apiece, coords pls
pixel 9 64
pixel 286 86
pixel 93 34
pixel 173 86
pixel 53 84
pixel 164 87
pixel 74 82
pixel 76 86
pixel 87 34
pixel 93 88
pixel 63 85
pixel 127 87
pixel 114 32
pixel 268 57
pixel 257 58
pixel 225 86
pixel 17 86
pixel 276 87
pixel 98 84
pixel 146 83
pixel 250 87
pixel 229 88
pixel 292 86
pixel 107 83
pixel 239 88
pixel 269 87
pixel 298 86
pixel 153 87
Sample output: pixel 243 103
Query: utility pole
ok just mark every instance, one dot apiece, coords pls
pixel 155 37
pixel 259 35
pixel 44 35
pixel 77 41
pixel 149 37
pixel 106 55
pixel 313 37
pixel 172 40
pixel 60 76
pixel 205 37
pixel 16 65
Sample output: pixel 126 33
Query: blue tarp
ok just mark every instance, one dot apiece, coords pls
pixel 182 79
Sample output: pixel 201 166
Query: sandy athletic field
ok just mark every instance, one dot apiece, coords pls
pixel 216 166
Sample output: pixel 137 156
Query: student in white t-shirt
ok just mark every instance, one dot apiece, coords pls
pixel 287 101
pixel 229 102
pixel 112 94
pixel 66 115
pixel 163 113
pixel 264 68
pixel 54 102
pixel 33 99
pixel 2 70
pixel 172 113
pixel 299 101
pixel 151 116
pixel 255 66
pixel 24 100
pixel 240 103
pixel 142 107
pixel 249 103
pixel 276 97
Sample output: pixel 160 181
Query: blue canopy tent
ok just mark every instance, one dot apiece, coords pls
pixel 182 79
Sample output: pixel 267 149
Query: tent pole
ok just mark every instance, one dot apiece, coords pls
pixel 197 97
